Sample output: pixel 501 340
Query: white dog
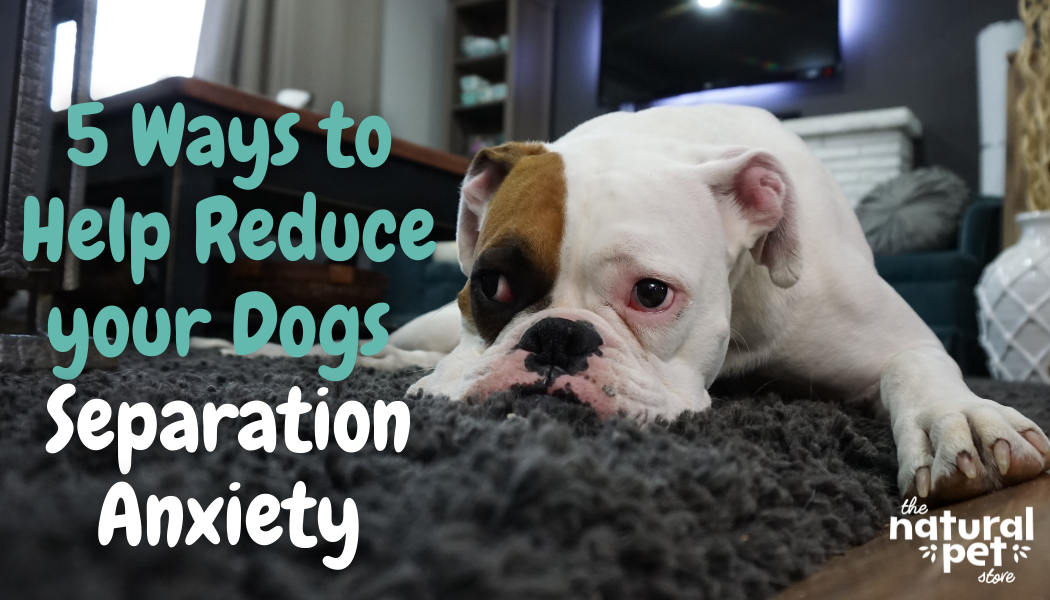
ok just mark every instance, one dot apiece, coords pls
pixel 641 256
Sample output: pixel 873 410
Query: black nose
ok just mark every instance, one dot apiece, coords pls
pixel 560 344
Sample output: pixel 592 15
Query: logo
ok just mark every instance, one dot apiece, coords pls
pixel 985 542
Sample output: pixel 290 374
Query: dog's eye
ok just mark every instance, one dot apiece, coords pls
pixel 495 287
pixel 651 295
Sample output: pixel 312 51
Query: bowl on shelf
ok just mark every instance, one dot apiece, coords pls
pixel 478 90
pixel 475 46
pixel 472 82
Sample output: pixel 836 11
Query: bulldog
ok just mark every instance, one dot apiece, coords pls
pixel 639 258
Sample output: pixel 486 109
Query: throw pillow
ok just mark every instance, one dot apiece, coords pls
pixel 918 211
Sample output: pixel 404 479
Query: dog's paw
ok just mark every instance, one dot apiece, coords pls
pixel 418 388
pixel 950 452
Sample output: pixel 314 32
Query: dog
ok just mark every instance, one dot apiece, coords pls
pixel 642 256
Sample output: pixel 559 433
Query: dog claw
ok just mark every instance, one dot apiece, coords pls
pixel 965 464
pixel 922 482
pixel 1037 441
pixel 1001 450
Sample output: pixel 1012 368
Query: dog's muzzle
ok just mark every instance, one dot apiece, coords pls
pixel 559 346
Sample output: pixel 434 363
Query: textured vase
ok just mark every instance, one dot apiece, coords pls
pixel 1014 299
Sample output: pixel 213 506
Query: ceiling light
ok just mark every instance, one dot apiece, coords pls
pixel 709 3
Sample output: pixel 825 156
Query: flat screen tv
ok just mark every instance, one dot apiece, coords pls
pixel 655 49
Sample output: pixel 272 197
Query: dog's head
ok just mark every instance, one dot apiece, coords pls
pixel 604 274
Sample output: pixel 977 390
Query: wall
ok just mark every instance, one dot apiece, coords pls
pixel 384 57
pixel 328 47
pixel 412 69
pixel 915 53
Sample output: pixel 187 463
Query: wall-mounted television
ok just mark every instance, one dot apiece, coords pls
pixel 655 49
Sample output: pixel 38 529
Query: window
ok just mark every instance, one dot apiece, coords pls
pixel 137 42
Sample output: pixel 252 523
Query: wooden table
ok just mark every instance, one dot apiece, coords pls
pixel 894 569
pixel 412 177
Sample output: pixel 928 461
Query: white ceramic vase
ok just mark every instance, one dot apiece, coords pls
pixel 1014 299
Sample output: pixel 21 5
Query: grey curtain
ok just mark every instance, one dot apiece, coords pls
pixel 330 48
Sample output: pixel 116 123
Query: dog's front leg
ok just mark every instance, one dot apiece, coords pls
pixel 951 444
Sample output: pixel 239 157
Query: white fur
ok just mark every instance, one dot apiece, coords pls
pixel 638 196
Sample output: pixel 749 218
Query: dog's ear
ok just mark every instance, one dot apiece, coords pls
pixel 484 177
pixel 757 202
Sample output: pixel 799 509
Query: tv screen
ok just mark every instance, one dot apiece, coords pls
pixel 655 49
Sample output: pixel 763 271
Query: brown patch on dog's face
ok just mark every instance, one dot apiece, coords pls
pixel 463 302
pixel 520 239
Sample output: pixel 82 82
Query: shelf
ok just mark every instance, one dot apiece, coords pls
pixel 487 17
pixel 483 117
pixel 492 66
pixel 525 68
pixel 479 107
pixel 468 61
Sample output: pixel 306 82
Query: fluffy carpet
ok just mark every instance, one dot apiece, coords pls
pixel 517 498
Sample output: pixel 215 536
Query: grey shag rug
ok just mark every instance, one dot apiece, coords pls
pixel 525 498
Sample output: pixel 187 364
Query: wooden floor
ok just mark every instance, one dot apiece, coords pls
pixel 895 569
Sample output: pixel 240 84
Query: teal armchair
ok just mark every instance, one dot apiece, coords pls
pixel 939 286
